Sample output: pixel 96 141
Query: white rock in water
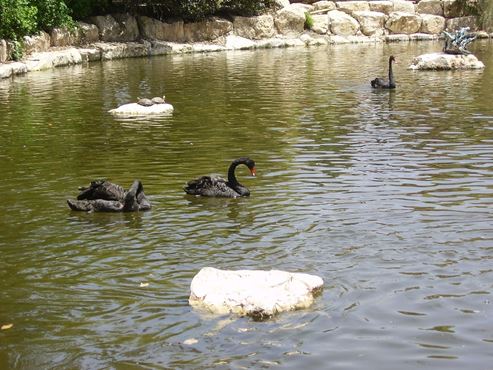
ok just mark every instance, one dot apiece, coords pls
pixel 134 109
pixel 442 61
pixel 254 293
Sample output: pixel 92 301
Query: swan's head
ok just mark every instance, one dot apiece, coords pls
pixel 250 163
pixel 392 59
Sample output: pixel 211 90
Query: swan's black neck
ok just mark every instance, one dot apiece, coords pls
pixel 232 181
pixel 391 74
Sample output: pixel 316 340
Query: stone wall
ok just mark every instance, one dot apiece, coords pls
pixel 333 21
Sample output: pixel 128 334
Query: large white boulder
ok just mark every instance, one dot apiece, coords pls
pixel 3 51
pixel 254 28
pixel 134 109
pixel 290 20
pixel 432 24
pixel 401 22
pixel 381 6
pixel 342 23
pixel 255 293
pixel 434 7
pixel 442 61
pixel 372 23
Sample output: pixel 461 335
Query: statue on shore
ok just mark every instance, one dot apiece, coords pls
pixel 456 43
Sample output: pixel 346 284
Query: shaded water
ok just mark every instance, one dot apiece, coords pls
pixel 386 195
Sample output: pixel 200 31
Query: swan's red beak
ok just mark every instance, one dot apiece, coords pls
pixel 253 171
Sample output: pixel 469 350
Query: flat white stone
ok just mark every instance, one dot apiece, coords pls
pixel 134 109
pixel 255 293
pixel 442 61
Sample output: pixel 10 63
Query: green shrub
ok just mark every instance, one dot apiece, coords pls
pixel 308 21
pixel 81 9
pixel 51 14
pixel 246 7
pixel 17 19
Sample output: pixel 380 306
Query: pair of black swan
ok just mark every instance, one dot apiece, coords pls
pixel 379 83
pixel 104 196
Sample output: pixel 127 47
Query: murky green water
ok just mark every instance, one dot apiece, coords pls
pixel 387 196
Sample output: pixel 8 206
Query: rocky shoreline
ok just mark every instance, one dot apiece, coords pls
pixel 125 36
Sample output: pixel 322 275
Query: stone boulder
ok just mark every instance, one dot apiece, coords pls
pixel 290 20
pixel 14 68
pixel 404 6
pixel 383 6
pixel 254 28
pixel 88 33
pixel 37 43
pixel 3 51
pixel 442 61
pixel 120 28
pixel 122 50
pixel 152 29
pixel 432 24
pixel 406 23
pixel 129 26
pixel 342 24
pixel 371 23
pixel 136 110
pixel 47 60
pixel 353 6
pixel 320 24
pixel 434 7
pixel 234 42
pixel 279 4
pixel 456 8
pixel 207 30
pixel 455 24
pixel 256 293
pixel 324 5
pixel 64 37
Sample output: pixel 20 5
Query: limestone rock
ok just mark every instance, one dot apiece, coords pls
pixel 88 33
pixel 353 6
pixel 254 28
pixel 134 109
pixel 400 22
pixel 290 20
pixel 152 29
pixel 324 5
pixel 371 23
pixel 456 8
pixel 64 37
pixel 3 51
pixel 14 68
pixel 109 28
pixel 433 24
pixel 434 7
pixel 37 43
pixel 129 27
pixel 255 293
pixel 207 30
pixel 116 50
pixel 404 6
pixel 342 23
pixel 58 58
pixel 455 24
pixel 442 61
pixel 320 23
pixel 90 54
pixel 279 4
pixel 234 42
pixel 383 6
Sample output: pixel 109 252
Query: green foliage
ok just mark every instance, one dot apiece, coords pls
pixel 246 7
pixel 52 13
pixel 17 18
pixel 308 21
pixel 84 8
pixel 17 50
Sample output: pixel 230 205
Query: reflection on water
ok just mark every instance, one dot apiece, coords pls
pixel 386 195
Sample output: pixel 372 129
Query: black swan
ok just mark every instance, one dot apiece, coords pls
pixel 208 186
pixel 379 83
pixel 104 196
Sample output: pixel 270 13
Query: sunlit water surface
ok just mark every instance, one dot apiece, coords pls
pixel 386 195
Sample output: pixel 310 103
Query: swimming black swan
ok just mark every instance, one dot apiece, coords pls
pixel 104 196
pixel 208 186
pixel 379 83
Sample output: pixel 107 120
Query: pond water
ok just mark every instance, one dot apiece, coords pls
pixel 386 195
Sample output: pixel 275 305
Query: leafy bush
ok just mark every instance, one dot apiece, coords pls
pixel 52 13
pixel 308 21
pixel 246 7
pixel 17 19
pixel 160 9
pixel 81 9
